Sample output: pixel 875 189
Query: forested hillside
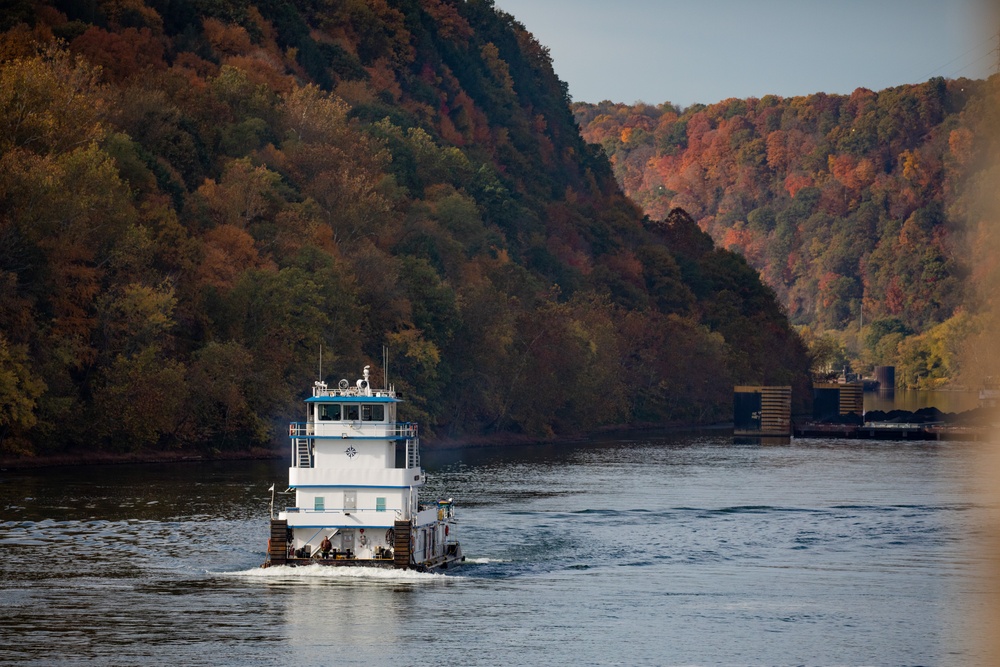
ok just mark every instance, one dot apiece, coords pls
pixel 196 195
pixel 857 210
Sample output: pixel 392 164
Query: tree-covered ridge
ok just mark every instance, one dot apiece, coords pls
pixel 852 207
pixel 198 195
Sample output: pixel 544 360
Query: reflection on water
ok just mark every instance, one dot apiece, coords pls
pixel 912 400
pixel 338 615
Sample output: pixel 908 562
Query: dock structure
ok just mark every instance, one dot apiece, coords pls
pixel 762 411
pixel 879 431
pixel 831 399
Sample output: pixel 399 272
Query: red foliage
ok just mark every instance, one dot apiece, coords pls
pixel 796 181
pixel 121 54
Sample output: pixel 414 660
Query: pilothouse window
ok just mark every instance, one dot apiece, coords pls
pixel 373 413
pixel 328 412
pixel 351 413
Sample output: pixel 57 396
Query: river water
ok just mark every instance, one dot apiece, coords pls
pixel 674 550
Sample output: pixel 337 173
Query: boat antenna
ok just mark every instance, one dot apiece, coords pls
pixel 321 362
pixel 385 367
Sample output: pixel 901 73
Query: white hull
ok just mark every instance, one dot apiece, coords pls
pixel 356 475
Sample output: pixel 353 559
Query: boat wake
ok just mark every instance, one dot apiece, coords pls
pixel 284 573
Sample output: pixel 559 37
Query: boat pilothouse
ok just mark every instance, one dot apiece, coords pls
pixel 356 474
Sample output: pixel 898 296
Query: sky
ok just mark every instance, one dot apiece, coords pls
pixel 704 51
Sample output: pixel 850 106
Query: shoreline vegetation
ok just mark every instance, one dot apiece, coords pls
pixel 200 199
pixel 979 417
pixel 498 440
pixel 866 213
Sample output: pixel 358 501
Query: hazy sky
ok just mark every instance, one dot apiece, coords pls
pixel 687 51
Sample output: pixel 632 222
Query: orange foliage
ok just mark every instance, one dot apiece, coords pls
pixel 23 41
pixel 895 297
pixel 450 23
pixel 383 78
pixel 229 251
pixel 75 283
pixel 842 167
pixel 263 69
pixel 864 174
pixel 448 130
pixel 796 181
pixel 626 265
pixel 202 69
pixel 698 127
pixel 227 39
pixel 777 152
pixel 960 143
pixel 121 54
pixel 859 101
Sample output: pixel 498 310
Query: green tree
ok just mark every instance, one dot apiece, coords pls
pixel 19 392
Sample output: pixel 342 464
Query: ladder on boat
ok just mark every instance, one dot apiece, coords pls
pixel 412 453
pixel 303 453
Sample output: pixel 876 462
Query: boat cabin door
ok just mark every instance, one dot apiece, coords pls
pixel 347 540
pixel 350 501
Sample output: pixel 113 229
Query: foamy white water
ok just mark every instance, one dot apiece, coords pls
pixel 330 573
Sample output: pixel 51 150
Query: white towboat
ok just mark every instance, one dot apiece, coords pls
pixel 356 474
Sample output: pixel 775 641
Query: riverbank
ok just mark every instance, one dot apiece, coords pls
pixel 280 451
pixel 113 458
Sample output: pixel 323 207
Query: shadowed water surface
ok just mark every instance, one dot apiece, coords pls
pixel 685 550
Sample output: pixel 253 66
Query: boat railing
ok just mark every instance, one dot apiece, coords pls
pixel 403 430
pixel 322 391
pixel 335 429
pixel 345 511
pixel 301 429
